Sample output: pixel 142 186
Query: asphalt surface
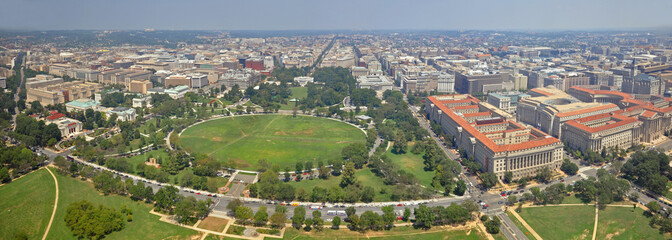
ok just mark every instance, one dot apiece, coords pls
pixel 509 229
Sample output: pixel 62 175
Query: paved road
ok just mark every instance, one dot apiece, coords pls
pixel 510 230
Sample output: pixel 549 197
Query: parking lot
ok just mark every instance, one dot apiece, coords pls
pixel 239 182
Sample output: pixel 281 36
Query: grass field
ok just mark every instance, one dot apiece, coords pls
pixel 412 163
pixel 397 233
pixel 26 205
pixel 625 223
pixel 144 225
pixel 299 92
pixel 566 222
pixel 365 176
pixel 279 139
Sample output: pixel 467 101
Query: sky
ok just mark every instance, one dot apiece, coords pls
pixel 516 15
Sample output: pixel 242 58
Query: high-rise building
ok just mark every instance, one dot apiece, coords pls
pixel 477 82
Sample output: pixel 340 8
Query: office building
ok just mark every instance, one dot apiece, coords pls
pixel 499 144
pixel 477 82
pixel 378 83
pixel 549 108
pixel 140 86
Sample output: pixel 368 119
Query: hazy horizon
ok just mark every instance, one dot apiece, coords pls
pixel 347 15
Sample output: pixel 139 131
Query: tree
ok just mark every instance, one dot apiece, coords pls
pixel 424 216
pixel 234 204
pixel 278 219
pixel 488 179
pixel 299 168
pixel 354 222
pixel 4 175
pixel 492 226
pixel 370 221
pixel 544 175
pixel 654 207
pixel 74 169
pixel 508 177
pixel 60 162
pixel 569 167
pixel 336 222
pixel 317 220
pixel 348 175
pixel 299 217
pixel 244 214
pixel 324 172
pixel 460 188
pixel 367 194
pixel 184 209
pixel 388 216
pixel 261 217
pixel 400 143
pixel 350 211
pixel 407 214
pixel 88 221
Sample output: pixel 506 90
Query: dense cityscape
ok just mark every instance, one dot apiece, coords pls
pixel 335 134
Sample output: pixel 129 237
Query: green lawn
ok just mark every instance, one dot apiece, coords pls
pixel 567 222
pixel 299 92
pixel 369 179
pixel 279 139
pixel 572 200
pixel 625 223
pixel 26 205
pixel 365 176
pixel 144 128
pixel 397 233
pixel 521 227
pixel 144 225
pixel 412 163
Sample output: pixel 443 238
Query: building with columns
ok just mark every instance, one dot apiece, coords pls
pixel 549 108
pixel 493 138
pixel 602 131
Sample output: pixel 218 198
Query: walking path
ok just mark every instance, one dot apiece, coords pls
pixel 522 221
pixel 53 213
pixel 595 227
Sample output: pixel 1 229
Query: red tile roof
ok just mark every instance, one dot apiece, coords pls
pixel 648 114
pixel 622 120
pixel 477 114
pixel 491 145
pixel 542 92
pixel 55 116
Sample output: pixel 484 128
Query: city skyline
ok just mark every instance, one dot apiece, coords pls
pixel 342 15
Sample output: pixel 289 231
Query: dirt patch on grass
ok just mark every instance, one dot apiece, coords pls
pixel 213 224
pixel 217 139
pixel 307 132
pixel 614 234
pixel 240 163
pixel 585 234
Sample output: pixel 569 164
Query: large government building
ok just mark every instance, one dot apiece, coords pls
pixel 592 118
pixel 549 108
pixel 493 138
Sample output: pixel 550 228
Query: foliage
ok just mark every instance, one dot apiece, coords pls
pixel 488 179
pixel 33 132
pixel 88 221
pixel 569 167
pixel 649 169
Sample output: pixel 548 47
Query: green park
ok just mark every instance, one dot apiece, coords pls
pixel 279 139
